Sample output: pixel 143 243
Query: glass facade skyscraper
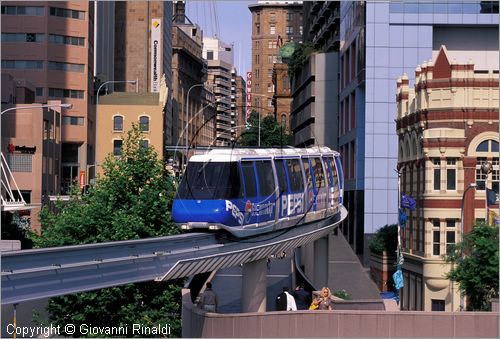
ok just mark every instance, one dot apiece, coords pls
pixel 380 41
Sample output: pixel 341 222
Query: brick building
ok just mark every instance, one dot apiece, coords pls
pixel 447 127
pixel 274 23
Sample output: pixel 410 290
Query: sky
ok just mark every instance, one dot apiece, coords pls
pixel 234 26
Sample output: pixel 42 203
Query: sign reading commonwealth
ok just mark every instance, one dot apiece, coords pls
pixel 155 54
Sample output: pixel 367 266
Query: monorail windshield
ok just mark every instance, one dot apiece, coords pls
pixel 211 181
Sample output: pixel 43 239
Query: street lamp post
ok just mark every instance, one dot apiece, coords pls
pixel 133 82
pixel 471 185
pixel 69 106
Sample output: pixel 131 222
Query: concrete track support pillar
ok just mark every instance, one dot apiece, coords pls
pixel 254 286
pixel 321 262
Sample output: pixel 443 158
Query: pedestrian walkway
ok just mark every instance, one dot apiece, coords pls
pixel 345 271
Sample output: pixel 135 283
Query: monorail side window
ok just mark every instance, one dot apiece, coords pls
pixel 307 171
pixel 211 181
pixel 266 177
pixel 249 179
pixel 295 175
pixel 280 171
pixel 319 174
pixel 334 179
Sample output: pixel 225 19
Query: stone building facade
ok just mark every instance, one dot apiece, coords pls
pixel 447 127
pixel 274 23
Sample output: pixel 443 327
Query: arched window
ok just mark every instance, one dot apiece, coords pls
pixel 118 123
pixel 487 149
pixel 144 123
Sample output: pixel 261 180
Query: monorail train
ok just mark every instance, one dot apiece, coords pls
pixel 251 191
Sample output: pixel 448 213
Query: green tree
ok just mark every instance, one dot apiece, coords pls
pixel 476 270
pixel 131 201
pixel 272 133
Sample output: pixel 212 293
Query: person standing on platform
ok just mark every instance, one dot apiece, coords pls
pixel 281 300
pixel 302 297
pixel 209 299
pixel 290 302
pixel 325 300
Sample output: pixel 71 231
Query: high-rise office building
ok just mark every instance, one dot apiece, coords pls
pixel 143 51
pixel 314 114
pixel 50 44
pixel 274 23
pixel 380 40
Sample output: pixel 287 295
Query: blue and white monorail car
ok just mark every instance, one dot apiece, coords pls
pixel 251 191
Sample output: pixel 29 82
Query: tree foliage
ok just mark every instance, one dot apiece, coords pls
pixel 476 270
pixel 272 133
pixel 385 239
pixel 131 201
pixel 299 58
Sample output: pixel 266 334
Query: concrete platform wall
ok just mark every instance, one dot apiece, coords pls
pixel 337 324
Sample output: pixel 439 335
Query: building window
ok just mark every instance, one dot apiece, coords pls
pixel 481 177
pixel 66 40
pixel 269 72
pixel 301 30
pixel 450 241
pixel 436 237
pixel 495 177
pixel 75 121
pixel 67 13
pixel 289 16
pixel 269 102
pixel 257 28
pixel 117 147
pixel 23 37
pixel 39 91
pixel 272 17
pixel 257 59
pixel 451 174
pixel 271 44
pixel 65 93
pixel 210 55
pixel 19 162
pixel 144 123
pixel 272 29
pixel 66 67
pixel 144 144
pixel 22 64
pixel 289 29
pixel 270 88
pixel 437 305
pixel 117 123
pixel 437 173
pixel 450 222
pixel 22 10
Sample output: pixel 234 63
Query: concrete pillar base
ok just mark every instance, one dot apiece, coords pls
pixel 254 286
pixel 321 262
